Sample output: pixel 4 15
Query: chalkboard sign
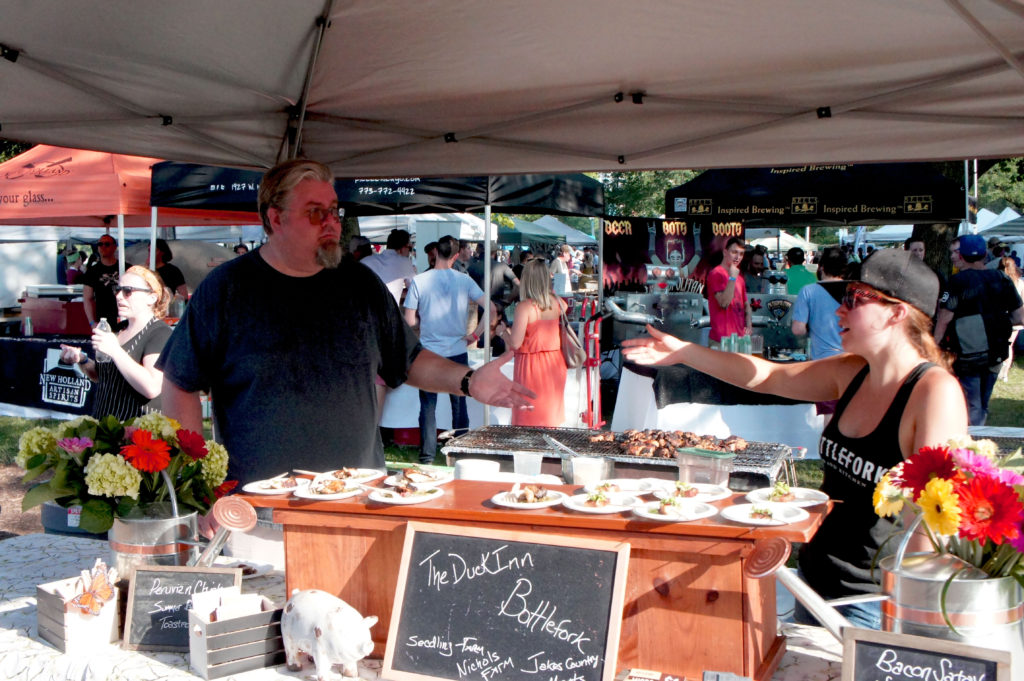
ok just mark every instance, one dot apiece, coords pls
pixel 491 605
pixel 880 656
pixel 159 599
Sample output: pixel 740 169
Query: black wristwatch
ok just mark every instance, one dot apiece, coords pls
pixel 464 385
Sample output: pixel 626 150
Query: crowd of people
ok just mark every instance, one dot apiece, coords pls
pixel 900 357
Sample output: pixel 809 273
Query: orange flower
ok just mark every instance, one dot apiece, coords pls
pixel 192 443
pixel 225 488
pixel 145 453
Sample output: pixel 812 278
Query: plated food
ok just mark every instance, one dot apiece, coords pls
pixel 765 513
pixel 284 484
pixel 356 474
pixel 528 497
pixel 249 569
pixel 698 491
pixel 420 475
pixel 405 494
pixel 675 509
pixel 782 493
pixel 628 485
pixel 599 502
pixel 328 488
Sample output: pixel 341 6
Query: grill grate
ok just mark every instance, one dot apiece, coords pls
pixel 759 465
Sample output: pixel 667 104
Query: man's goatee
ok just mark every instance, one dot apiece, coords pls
pixel 328 255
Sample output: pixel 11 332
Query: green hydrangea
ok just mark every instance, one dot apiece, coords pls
pixel 111 476
pixel 70 428
pixel 35 441
pixel 215 463
pixel 160 426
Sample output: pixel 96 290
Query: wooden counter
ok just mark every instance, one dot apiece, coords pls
pixel 688 606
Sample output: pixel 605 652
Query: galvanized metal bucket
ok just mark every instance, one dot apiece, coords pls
pixel 985 611
pixel 154 538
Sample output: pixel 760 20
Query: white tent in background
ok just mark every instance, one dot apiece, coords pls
pixel 573 237
pixel 783 242
pixel 889 234
pixel 998 222
pixel 461 225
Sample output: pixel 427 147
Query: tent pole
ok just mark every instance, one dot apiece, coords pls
pixel 487 294
pixel 120 241
pixel 967 199
pixel 152 238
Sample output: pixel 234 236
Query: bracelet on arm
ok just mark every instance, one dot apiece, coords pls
pixel 464 384
pixel 84 359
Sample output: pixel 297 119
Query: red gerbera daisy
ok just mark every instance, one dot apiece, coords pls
pixel 928 463
pixel 145 453
pixel 989 509
pixel 192 443
pixel 225 488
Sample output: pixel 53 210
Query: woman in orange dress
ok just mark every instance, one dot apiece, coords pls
pixel 536 341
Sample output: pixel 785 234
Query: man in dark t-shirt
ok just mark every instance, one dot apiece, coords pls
pixel 977 311
pixel 99 281
pixel 288 340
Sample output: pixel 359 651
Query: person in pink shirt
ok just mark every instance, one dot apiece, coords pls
pixel 727 295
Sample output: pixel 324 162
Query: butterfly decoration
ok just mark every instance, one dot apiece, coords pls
pixel 96 586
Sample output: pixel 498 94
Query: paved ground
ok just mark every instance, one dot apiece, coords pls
pixel 12 520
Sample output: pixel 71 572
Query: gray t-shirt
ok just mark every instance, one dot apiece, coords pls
pixel 290 364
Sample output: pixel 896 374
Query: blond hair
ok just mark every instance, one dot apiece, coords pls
pixel 280 181
pixel 153 280
pixel 535 284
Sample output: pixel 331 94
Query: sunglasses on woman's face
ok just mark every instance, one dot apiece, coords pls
pixel 127 291
pixel 858 296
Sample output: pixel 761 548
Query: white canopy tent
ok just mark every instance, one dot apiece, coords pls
pixel 784 241
pixel 573 237
pixel 393 88
pixel 461 225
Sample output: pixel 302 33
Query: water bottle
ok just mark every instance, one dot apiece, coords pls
pixel 103 326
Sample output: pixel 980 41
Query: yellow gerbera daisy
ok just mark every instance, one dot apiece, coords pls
pixel 941 507
pixel 888 499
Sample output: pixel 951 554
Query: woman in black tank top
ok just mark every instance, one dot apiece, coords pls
pixel 895 395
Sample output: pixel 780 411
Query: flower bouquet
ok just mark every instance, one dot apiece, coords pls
pixel 114 469
pixel 971 500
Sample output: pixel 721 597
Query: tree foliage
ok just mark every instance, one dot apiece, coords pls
pixel 1002 185
pixel 9 149
pixel 641 193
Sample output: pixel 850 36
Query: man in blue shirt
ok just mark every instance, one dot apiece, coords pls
pixel 814 314
pixel 437 303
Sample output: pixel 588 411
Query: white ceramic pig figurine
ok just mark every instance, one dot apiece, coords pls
pixel 327 629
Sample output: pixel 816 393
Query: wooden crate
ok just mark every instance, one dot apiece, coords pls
pixel 65 627
pixel 235 645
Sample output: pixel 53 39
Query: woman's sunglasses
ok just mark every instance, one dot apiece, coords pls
pixel 127 291
pixel 858 296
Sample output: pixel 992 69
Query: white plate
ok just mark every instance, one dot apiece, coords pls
pixel 630 485
pixel 618 503
pixel 688 510
pixel 782 514
pixel 442 478
pixel 260 568
pixel 705 492
pixel 362 475
pixel 255 487
pixel 305 492
pixel 553 499
pixel 804 496
pixel 385 496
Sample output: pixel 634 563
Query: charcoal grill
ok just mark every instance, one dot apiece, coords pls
pixel 759 465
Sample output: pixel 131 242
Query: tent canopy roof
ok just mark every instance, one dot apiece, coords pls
pixel 70 187
pixel 393 88
pixel 821 195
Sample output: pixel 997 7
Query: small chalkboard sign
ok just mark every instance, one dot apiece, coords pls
pixel 159 599
pixel 870 655
pixel 501 605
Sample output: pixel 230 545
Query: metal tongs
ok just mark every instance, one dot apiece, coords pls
pixel 558 445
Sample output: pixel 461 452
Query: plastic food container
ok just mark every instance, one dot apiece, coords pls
pixel 704 466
